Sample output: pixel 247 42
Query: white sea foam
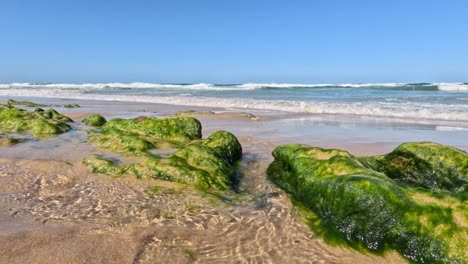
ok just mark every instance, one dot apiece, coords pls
pixel 407 110
pixel 451 128
pixel 461 87
pixel 453 87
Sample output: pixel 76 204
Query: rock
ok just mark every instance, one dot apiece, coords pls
pixel 205 163
pixel 39 123
pixel 181 129
pixel 194 113
pixel 12 102
pixel 94 120
pixel 428 165
pixel 72 105
pixel 365 208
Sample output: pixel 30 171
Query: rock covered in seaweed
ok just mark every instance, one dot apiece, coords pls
pixel 205 163
pixel 428 165
pixel 96 120
pixel 365 207
pixel 12 102
pixel 181 129
pixel 38 123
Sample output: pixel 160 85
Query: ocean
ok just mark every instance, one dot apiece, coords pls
pixel 408 101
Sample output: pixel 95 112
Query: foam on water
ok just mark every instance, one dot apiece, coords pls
pixel 247 86
pixel 412 110
pixel 449 87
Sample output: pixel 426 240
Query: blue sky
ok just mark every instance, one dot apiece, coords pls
pixel 233 41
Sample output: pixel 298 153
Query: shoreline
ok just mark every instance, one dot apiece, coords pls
pixel 360 135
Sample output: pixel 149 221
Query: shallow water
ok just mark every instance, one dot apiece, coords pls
pixel 50 202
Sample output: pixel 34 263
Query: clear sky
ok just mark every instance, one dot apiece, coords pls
pixel 237 41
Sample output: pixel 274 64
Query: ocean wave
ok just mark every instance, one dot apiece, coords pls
pixel 453 87
pixel 406 110
pixel 450 128
pixel 449 87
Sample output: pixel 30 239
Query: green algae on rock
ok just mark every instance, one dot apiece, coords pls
pixel 205 163
pixel 181 129
pixel 39 123
pixel 193 113
pixel 12 102
pixel 72 105
pixel 94 120
pixel 365 208
pixel 426 164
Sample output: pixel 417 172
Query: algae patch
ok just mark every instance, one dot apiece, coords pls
pixel 427 165
pixel 358 203
pixel 206 164
pixel 39 123
pixel 94 120
pixel 12 102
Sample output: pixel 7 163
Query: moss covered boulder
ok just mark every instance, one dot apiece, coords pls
pixel 94 120
pixel 12 102
pixel 364 207
pixel 39 123
pixel 181 129
pixel 195 113
pixel 426 164
pixel 205 163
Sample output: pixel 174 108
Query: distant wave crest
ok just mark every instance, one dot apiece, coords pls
pixel 448 87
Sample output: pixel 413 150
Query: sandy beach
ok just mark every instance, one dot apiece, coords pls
pixel 241 131
pixel 53 209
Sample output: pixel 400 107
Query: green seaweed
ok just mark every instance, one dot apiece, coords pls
pixel 205 163
pixel 12 102
pixel 428 165
pixel 94 120
pixel 193 113
pixel 363 207
pixel 182 129
pixel 72 105
pixel 39 123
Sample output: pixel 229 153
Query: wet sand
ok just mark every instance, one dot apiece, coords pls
pixel 53 210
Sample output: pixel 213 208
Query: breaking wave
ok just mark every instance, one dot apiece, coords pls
pixel 411 110
pixel 448 87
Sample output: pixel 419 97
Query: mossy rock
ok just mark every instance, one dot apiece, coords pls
pixel 194 113
pixel 183 129
pixel 39 123
pixel 117 141
pixel 94 120
pixel 205 163
pixel 72 105
pixel 428 165
pixel 365 208
pixel 12 102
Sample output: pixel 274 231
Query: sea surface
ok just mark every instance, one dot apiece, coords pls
pixel 421 102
